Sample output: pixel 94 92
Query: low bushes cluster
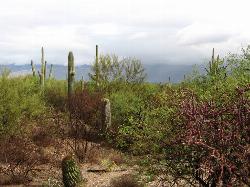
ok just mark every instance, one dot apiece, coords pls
pixel 21 101
pixel 197 130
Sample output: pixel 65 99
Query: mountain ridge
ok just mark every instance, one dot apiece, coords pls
pixel 155 72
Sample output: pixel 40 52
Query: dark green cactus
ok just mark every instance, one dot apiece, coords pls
pixel 71 74
pixel 33 68
pixel 71 173
pixel 45 69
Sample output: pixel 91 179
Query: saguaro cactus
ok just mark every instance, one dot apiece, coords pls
pixel 45 69
pixel 214 65
pixel 71 74
pixel 71 173
pixel 97 65
pixel 106 114
pixel 33 68
pixel 51 71
pixel 41 75
pixel 82 84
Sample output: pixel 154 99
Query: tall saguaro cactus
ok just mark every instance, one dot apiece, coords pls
pixel 214 65
pixel 71 74
pixel 51 71
pixel 33 68
pixel 82 84
pixel 106 114
pixel 45 69
pixel 42 72
pixel 97 65
pixel 42 78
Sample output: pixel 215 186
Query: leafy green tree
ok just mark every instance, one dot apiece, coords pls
pixel 134 71
pixel 109 68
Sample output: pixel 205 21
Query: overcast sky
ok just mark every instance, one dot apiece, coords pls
pixel 166 31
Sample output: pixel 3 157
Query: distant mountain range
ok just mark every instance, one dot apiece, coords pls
pixel 155 72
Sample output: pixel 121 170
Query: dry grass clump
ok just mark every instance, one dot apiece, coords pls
pixel 96 154
pixel 126 180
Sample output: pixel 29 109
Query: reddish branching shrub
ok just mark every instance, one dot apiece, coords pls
pixel 18 159
pixel 85 121
pixel 85 106
pixel 216 138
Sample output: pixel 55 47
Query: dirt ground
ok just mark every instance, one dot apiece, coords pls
pixel 101 166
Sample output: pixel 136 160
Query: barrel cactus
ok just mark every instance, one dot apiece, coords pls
pixel 71 173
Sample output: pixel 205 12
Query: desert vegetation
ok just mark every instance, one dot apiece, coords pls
pixel 118 125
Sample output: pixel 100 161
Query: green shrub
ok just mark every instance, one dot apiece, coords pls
pixel 55 94
pixel 141 117
pixel 20 99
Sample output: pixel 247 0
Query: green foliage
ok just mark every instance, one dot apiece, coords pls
pixel 109 68
pixel 222 77
pixel 20 99
pixel 55 94
pixel 72 176
pixel 141 117
pixel 145 116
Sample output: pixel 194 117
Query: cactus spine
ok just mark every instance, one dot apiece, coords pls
pixel 71 173
pixel 33 68
pixel 71 74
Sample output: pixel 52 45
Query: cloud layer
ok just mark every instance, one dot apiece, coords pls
pixel 156 31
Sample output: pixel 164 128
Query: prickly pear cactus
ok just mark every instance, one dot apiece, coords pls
pixel 71 173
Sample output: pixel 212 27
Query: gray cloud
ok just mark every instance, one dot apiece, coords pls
pixel 154 31
pixel 209 39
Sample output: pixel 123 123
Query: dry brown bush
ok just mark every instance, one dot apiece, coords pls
pixel 18 159
pixel 126 180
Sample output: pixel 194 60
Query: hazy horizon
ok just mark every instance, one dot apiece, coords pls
pixel 159 31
